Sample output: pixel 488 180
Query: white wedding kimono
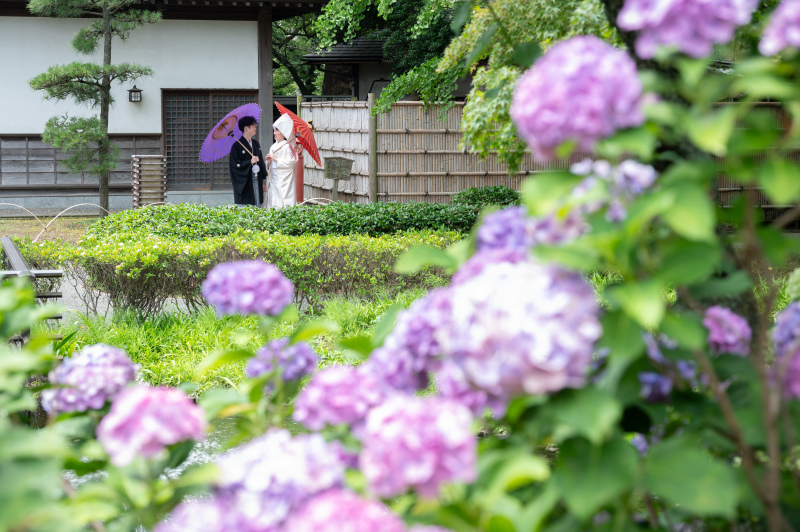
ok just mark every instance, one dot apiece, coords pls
pixel 283 168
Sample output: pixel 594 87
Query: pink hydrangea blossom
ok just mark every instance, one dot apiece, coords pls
pixel 583 90
pixel 248 287
pixel 296 360
pixel 783 30
pixel 343 511
pixel 786 340
pixel 206 515
pixel 88 379
pixel 727 331
pixel 144 420
pixel 452 383
pixel 416 443
pixel 338 395
pixel 691 26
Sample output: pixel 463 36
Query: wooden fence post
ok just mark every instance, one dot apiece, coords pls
pixel 373 149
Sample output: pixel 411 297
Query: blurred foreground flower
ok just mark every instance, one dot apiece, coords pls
pixel 88 379
pixel 581 90
pixel 783 29
pixel 786 338
pixel 296 360
pixel 343 511
pixel 248 287
pixel 624 182
pixel 144 420
pixel 727 332
pixel 691 26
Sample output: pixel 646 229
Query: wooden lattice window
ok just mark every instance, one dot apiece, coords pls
pixel 188 117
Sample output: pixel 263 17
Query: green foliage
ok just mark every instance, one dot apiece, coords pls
pixel 194 221
pixel 486 196
pixel 432 87
pixel 82 138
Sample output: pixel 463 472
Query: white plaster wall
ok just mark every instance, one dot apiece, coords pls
pixel 369 72
pixel 183 55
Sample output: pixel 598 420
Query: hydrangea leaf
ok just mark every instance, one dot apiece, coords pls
pixel 680 472
pixel 643 301
pixel 686 329
pixel 711 132
pixel 419 257
pixel 684 262
pixel 542 193
pixel 526 54
pixel 221 358
pixel 589 477
pixel 514 470
pixel 733 284
pixel 622 337
pixel 313 328
pixel 692 214
pixel 589 412
pixel 639 142
pixel 781 180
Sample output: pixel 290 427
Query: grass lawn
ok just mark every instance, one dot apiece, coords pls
pixel 67 228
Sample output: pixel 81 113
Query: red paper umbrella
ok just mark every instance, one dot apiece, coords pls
pixel 303 133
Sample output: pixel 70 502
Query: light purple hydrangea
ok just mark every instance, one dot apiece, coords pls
pixel 428 528
pixel 478 262
pixel 524 328
pixel 296 360
pixel 207 515
pixel 727 332
pixel 691 26
pixel 624 183
pixel 267 479
pixel 338 395
pixel 786 339
pixel 144 420
pixel 512 229
pixel 343 511
pixel 248 287
pixel 415 443
pixel 656 388
pixel 86 380
pixel 452 383
pixel 783 30
pixel 583 90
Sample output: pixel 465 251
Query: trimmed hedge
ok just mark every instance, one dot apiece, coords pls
pixel 487 196
pixel 141 271
pixel 193 222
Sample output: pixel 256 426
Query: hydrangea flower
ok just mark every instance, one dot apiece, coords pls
pixel 511 229
pixel 296 360
pixel 727 331
pixel 428 528
pixel 337 395
pixel 144 420
pixel 265 480
pixel 691 26
pixel 583 90
pixel 786 339
pixel 339 511
pixel 522 328
pixel 194 516
pixel 783 30
pixel 88 379
pixel 410 442
pixel 478 262
pixel 624 182
pixel 452 383
pixel 248 287
pixel 656 388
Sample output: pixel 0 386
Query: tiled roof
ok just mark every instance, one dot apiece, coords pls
pixel 362 50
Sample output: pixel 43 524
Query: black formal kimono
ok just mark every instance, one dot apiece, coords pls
pixel 242 173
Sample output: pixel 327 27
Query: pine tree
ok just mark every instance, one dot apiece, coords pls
pixel 86 138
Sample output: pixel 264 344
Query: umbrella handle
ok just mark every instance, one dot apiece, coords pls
pixel 245 148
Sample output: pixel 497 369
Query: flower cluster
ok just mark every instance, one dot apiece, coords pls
pixel 248 287
pixel 340 510
pixel 691 26
pixel 206 515
pixel 337 395
pixel 296 360
pixel 680 369
pixel 781 32
pixel 417 443
pixel 88 379
pixel 786 338
pixel 477 263
pixel 512 230
pixel 583 90
pixel 624 183
pixel 727 331
pixel 656 388
pixel 144 420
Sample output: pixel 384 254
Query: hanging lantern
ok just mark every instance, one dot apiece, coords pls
pixel 135 95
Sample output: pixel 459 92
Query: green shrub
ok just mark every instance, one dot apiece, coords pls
pixel 486 196
pixel 141 271
pixel 193 222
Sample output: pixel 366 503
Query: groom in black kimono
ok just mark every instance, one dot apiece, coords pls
pixel 248 187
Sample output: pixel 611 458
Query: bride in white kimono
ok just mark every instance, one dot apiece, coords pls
pixel 282 160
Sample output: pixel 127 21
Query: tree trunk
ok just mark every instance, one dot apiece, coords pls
pixel 105 103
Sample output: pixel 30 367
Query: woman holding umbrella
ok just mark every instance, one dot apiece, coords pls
pixel 282 161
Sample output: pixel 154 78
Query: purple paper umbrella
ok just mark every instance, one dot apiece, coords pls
pixel 219 141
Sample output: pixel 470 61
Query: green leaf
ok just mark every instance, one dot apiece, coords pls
pixel 214 401
pixel 623 339
pixel 684 262
pixel 221 358
pixel 710 132
pixel 640 142
pixel 386 324
pixel 589 412
pixel 542 193
pixel 643 301
pixel 680 472
pixel 461 17
pixel 526 54
pixel 781 180
pixel 692 214
pixel 733 284
pixel 517 470
pixel 574 256
pixel 360 344
pixel 483 43
pixel 419 257
pixel 589 477
pixel 692 70
pixel 686 329
pixel 701 172
pixel 178 453
pixel 313 328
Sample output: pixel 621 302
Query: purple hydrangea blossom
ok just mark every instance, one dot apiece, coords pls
pixel 783 30
pixel 582 89
pixel 267 479
pixel 204 515
pixel 786 339
pixel 691 26
pixel 478 262
pixel 88 379
pixel 339 511
pixel 452 383
pixel 522 328
pixel 338 395
pixel 624 183
pixel 411 442
pixel 296 360
pixel 144 420
pixel 639 441
pixel 248 287
pixel 656 388
pixel 512 229
pixel 727 331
